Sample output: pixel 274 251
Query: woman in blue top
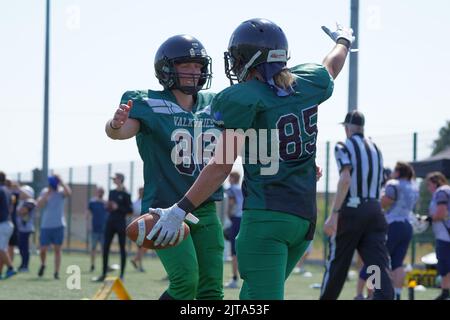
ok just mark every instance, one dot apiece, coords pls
pixel 437 184
pixel 399 199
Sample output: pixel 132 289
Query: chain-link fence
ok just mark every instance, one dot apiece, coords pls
pixel 84 180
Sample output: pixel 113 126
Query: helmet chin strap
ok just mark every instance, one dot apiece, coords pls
pixel 189 90
pixel 247 66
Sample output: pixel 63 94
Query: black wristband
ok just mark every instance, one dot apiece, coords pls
pixel 110 124
pixel 344 42
pixel 186 205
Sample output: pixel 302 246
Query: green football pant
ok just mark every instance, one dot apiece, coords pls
pixel 195 266
pixel 269 245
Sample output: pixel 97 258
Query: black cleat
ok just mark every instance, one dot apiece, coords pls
pixel 41 271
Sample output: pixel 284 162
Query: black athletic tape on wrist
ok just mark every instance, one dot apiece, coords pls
pixel 344 42
pixel 186 205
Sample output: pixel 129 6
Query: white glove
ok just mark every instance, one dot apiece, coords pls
pixel 340 33
pixel 170 223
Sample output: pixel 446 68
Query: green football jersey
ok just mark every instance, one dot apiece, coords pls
pixel 174 144
pixel 286 124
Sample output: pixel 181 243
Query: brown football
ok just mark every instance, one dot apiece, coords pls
pixel 139 228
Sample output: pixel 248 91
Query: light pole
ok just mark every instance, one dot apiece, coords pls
pixel 353 73
pixel 44 176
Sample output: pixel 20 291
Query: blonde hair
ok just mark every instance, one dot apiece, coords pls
pixel 437 178
pixel 284 79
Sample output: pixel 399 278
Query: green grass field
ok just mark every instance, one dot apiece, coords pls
pixel 148 285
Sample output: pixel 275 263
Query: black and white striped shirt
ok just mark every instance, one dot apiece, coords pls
pixel 366 163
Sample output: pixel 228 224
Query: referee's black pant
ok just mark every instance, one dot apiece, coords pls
pixel 363 228
pixel 113 226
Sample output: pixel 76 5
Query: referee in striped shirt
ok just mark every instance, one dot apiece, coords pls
pixel 357 221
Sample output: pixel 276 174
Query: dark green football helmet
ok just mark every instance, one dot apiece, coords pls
pixel 181 49
pixel 254 42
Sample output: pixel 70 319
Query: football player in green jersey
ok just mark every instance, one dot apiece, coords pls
pixel 279 213
pixel 164 124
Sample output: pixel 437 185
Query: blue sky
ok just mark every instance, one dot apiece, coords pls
pixel 102 48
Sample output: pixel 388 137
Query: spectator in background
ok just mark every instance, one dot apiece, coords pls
pixel 398 201
pixel 98 215
pixel 25 224
pixel 6 227
pixel 137 206
pixel 14 239
pixel 439 209
pixel 51 202
pixel 234 212
pixel 119 206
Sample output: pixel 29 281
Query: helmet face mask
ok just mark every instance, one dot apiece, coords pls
pixel 202 80
pixel 231 67
pixel 182 49
pixel 254 42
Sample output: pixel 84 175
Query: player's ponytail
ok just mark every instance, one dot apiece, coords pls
pixel 284 79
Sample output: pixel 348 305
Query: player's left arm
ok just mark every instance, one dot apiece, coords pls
pixel 66 189
pixel 335 60
pixel 441 212
pixel 217 170
pixel 386 202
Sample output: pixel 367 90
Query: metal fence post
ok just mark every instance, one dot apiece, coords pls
pixel 69 209
pixel 327 195
pixel 413 241
pixel 89 192
pixel 131 195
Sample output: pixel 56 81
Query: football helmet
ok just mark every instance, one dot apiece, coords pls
pixel 254 42
pixel 181 49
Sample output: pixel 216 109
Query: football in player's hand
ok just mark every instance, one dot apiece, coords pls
pixel 139 228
